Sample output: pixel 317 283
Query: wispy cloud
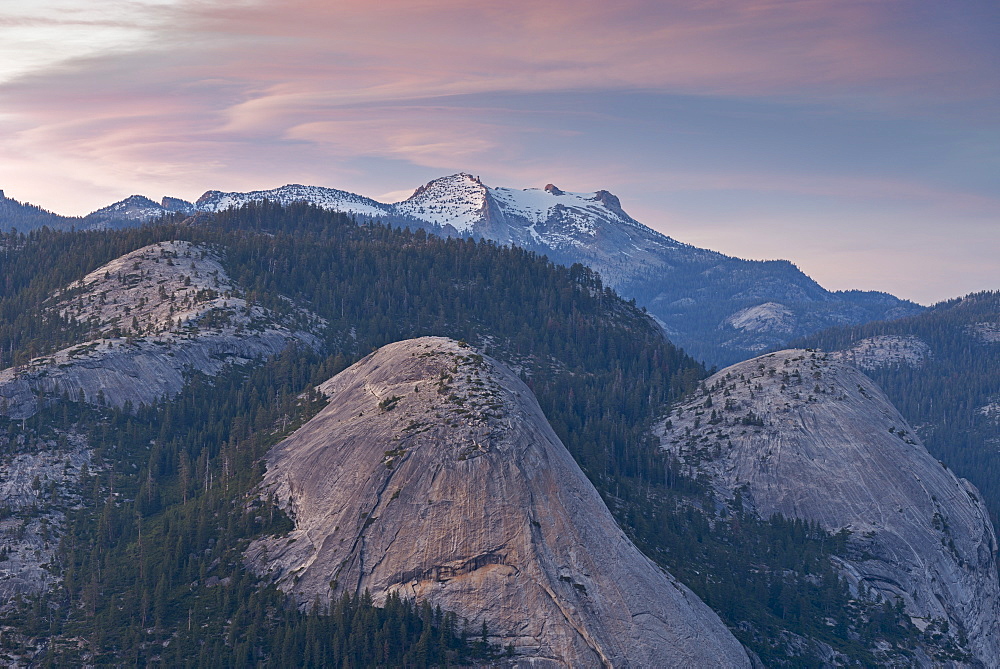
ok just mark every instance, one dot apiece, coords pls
pixel 101 100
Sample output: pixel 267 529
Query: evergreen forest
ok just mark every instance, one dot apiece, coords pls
pixel 149 558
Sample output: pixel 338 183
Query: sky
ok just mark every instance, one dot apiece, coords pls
pixel 859 139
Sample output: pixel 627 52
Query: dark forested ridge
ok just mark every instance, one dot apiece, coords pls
pixel 952 395
pixel 24 217
pixel 700 297
pixel 149 559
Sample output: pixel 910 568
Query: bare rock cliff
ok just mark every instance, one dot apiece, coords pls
pixel 806 435
pixel 433 473
pixel 39 482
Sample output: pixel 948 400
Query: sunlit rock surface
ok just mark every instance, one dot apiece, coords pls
pixel 433 473
pixel 156 315
pixel 806 435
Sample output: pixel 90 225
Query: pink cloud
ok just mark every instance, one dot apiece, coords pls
pixel 224 91
pixel 442 47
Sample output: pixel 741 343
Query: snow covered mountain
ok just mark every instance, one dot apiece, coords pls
pixel 327 198
pixel 590 228
pixel 719 308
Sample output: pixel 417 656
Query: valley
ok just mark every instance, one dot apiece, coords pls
pixel 217 481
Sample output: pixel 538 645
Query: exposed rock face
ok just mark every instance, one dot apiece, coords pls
pixel 886 351
pixel 148 290
pixel 769 317
pixel 988 333
pixel 805 435
pixel 38 481
pixel 113 372
pixel 158 314
pixel 177 204
pixel 433 473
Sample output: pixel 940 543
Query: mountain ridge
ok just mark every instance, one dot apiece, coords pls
pixel 598 365
pixel 697 295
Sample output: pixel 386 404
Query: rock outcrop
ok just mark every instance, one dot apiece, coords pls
pixel 806 435
pixel 156 315
pixel 433 473
pixel 886 351
pixel 38 483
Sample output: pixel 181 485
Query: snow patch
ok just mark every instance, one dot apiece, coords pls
pixel 537 205
pixel 458 200
pixel 991 411
pixel 326 198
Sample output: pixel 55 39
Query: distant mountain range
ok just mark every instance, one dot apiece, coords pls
pixel 184 442
pixel 719 308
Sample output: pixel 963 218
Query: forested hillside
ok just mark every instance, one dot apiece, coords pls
pixel 149 559
pixel 24 217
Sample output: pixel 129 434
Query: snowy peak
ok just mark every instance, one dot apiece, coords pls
pixel 133 209
pixel 547 217
pixel 540 204
pixel 327 198
pixel 131 203
pixel 459 200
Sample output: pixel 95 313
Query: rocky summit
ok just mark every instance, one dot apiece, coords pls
pixel 155 316
pixel 803 434
pixel 433 474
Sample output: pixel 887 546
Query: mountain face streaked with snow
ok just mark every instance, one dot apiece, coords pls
pixel 720 309
pixel 327 198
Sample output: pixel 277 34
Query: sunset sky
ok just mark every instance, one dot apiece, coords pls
pixel 859 139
